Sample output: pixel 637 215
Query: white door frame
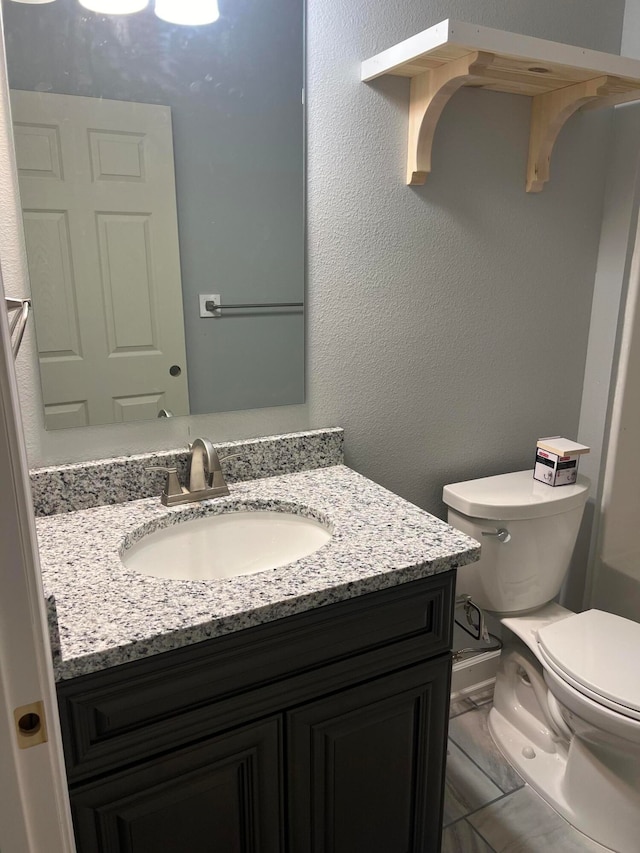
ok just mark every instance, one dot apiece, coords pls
pixel 34 803
pixel 34 806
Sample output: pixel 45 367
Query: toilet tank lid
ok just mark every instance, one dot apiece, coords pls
pixel 599 651
pixel 512 496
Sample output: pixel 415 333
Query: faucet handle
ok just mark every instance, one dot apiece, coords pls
pixel 218 477
pixel 172 484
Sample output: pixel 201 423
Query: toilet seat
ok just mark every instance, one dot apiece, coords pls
pixel 585 692
pixel 595 713
pixel 592 652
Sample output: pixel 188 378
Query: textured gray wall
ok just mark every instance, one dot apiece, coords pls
pixel 447 325
pixel 235 95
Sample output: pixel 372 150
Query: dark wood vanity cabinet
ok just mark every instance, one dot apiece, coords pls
pixel 323 732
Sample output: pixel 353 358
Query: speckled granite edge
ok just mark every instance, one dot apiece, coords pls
pixel 108 615
pixel 66 488
pixel 54 631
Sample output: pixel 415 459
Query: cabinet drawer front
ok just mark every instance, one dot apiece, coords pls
pixel 104 715
pixel 223 794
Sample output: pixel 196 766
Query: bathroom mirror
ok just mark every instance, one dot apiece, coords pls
pixel 161 173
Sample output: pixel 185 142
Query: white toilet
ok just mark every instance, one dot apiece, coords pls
pixel 566 709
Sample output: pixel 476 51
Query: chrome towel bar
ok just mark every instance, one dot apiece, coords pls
pixel 210 305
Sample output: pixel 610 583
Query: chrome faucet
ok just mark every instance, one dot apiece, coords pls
pixel 206 479
pixel 204 460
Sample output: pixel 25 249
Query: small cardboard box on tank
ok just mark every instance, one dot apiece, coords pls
pixel 557 460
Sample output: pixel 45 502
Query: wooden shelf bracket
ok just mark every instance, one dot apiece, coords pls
pixel 430 93
pixel 559 78
pixel 549 112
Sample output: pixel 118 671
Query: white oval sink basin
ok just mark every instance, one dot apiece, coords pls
pixel 226 545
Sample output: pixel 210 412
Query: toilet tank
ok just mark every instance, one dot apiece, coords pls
pixel 527 569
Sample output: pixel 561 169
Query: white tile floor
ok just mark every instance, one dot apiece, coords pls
pixel 488 807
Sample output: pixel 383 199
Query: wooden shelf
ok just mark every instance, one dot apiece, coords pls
pixel 559 79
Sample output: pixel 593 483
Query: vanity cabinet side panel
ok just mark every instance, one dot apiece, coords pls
pixel 222 794
pixel 366 765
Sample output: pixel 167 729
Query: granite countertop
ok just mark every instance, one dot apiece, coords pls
pixel 102 614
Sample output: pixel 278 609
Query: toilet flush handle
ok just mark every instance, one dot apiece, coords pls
pixel 502 533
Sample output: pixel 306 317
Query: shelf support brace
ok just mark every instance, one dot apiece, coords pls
pixel 430 93
pixel 549 112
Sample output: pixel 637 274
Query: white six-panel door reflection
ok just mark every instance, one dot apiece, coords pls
pixel 97 187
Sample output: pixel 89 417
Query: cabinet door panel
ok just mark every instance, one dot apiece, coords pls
pixel 223 794
pixel 366 765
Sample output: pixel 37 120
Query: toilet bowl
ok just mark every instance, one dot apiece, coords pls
pixel 566 709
